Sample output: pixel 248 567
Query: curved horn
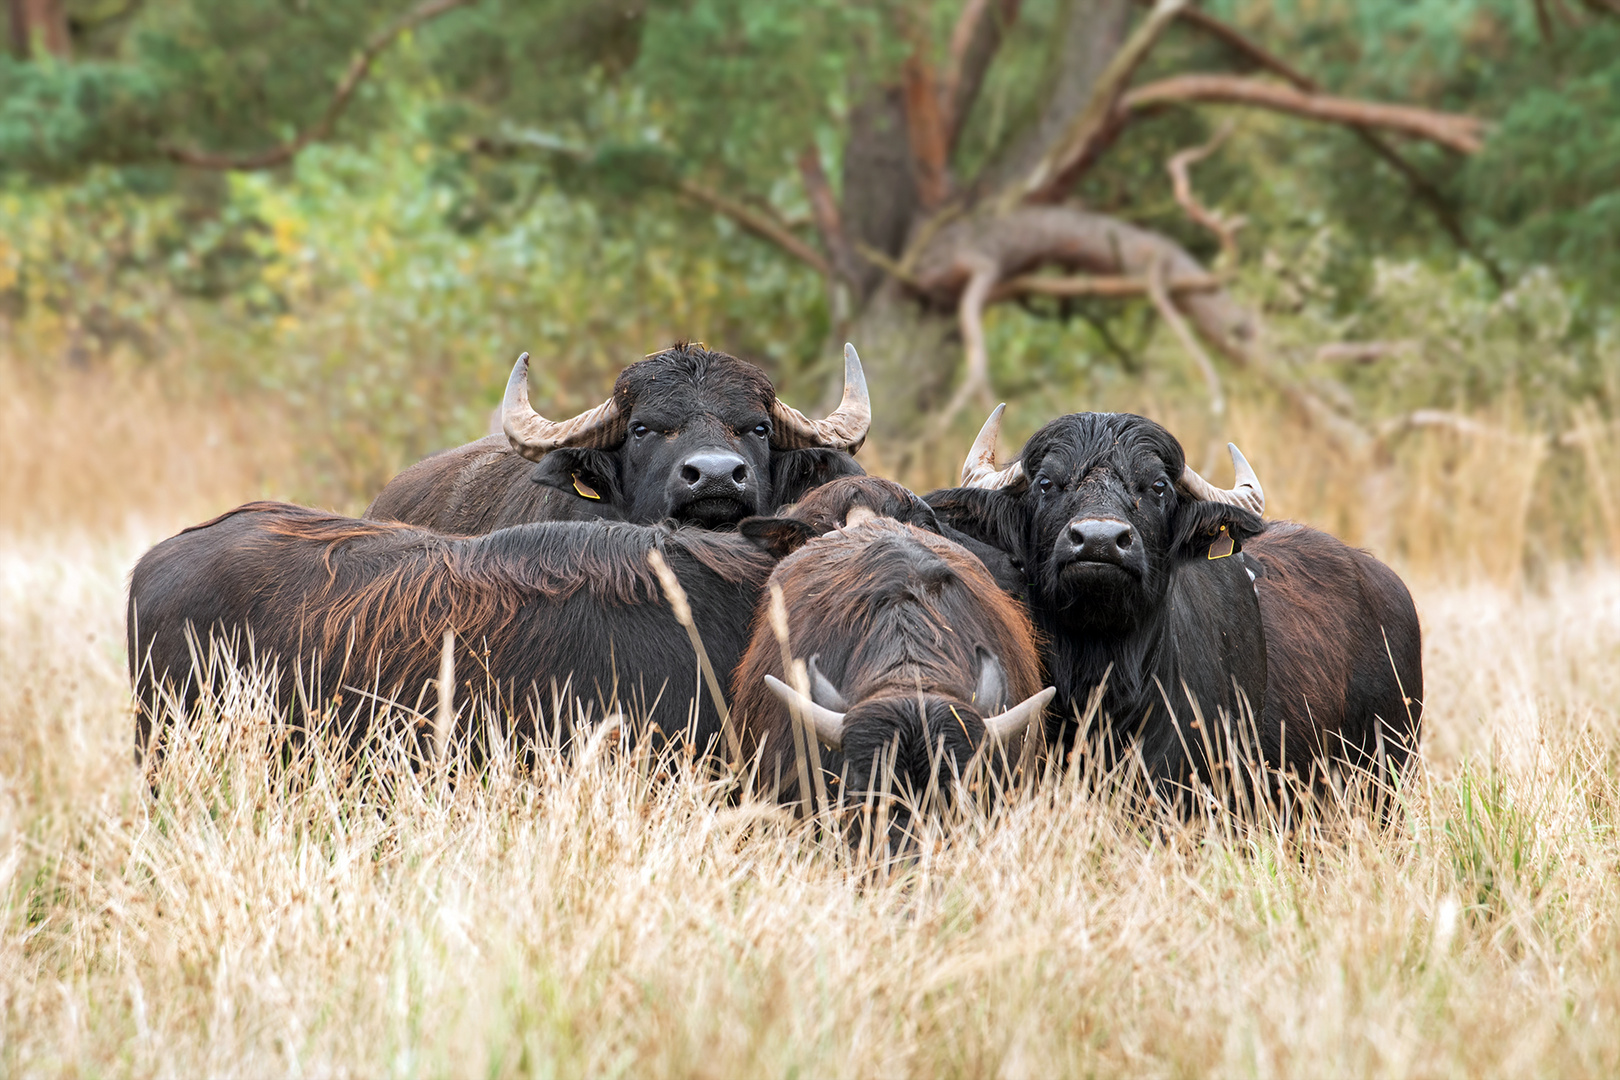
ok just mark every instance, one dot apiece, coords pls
pixel 979 470
pixel 1246 493
pixel 1004 726
pixel 532 435
pixel 845 427
pixel 822 689
pixel 829 725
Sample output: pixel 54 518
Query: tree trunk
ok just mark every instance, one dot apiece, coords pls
pixel 42 23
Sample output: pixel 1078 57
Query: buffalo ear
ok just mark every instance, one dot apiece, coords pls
pixel 1198 532
pixel 995 518
pixel 780 536
pixel 795 473
pixel 585 474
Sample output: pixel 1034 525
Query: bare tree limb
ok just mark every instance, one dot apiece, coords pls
pixel 1455 131
pixel 1026 237
pixel 970 319
pixel 756 222
pixel 925 129
pixel 1085 137
pixel 824 212
pixel 975 40
pixel 1091 285
pixel 1224 228
pixel 359 67
pixel 1420 185
pixel 1167 310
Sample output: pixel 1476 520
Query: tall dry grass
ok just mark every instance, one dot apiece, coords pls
pixel 587 920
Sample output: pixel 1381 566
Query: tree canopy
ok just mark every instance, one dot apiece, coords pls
pixel 924 159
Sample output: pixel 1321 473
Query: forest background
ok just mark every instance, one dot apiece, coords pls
pixel 325 231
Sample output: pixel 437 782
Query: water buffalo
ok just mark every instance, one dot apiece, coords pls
pixel 1118 537
pixel 689 434
pixel 917 662
pixel 1342 672
pixel 353 613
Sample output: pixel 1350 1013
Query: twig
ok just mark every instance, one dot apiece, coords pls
pixel 757 222
pixel 1225 229
pixel 359 67
pixel 1167 310
pixel 1455 131
pixel 676 595
pixel 444 721
pixel 807 743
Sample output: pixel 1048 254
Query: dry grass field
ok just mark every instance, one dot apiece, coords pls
pixel 585 920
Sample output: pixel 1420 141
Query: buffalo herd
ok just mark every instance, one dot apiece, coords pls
pixel 700 556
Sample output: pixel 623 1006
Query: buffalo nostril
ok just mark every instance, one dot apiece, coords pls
pixel 740 473
pixel 1123 540
pixel 1077 535
pixel 690 475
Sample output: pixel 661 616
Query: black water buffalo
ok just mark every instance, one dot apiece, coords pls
pixel 916 662
pixel 1116 536
pixel 353 613
pixel 1342 674
pixel 689 434
pixel 1344 651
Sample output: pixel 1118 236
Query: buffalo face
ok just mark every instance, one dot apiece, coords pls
pixel 691 435
pixel 698 446
pixel 1100 507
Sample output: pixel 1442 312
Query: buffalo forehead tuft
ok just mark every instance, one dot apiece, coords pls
pixel 692 368
pixel 1083 440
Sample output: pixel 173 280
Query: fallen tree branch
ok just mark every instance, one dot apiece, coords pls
pixel 1092 285
pixel 1085 137
pixel 359 67
pixel 1455 131
pixel 970 319
pixel 1224 229
pixel 1167 310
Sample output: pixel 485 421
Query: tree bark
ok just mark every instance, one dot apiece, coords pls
pixel 1091 33
pixel 42 23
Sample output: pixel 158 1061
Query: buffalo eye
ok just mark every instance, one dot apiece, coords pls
pixel 1044 483
pixel 1160 486
pixel 762 430
pixel 638 430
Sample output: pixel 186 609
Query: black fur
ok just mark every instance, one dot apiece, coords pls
pixel 1174 634
pixel 683 401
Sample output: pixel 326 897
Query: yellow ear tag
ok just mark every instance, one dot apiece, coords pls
pixel 586 490
pixel 1223 546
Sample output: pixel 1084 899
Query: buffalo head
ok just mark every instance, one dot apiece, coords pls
pixel 690 434
pixel 1100 507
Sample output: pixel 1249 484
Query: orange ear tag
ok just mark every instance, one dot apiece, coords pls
pixel 1223 546
pixel 586 490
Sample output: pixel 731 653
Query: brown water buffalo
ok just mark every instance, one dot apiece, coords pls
pixel 917 664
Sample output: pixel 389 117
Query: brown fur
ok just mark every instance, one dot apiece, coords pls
pixel 893 611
